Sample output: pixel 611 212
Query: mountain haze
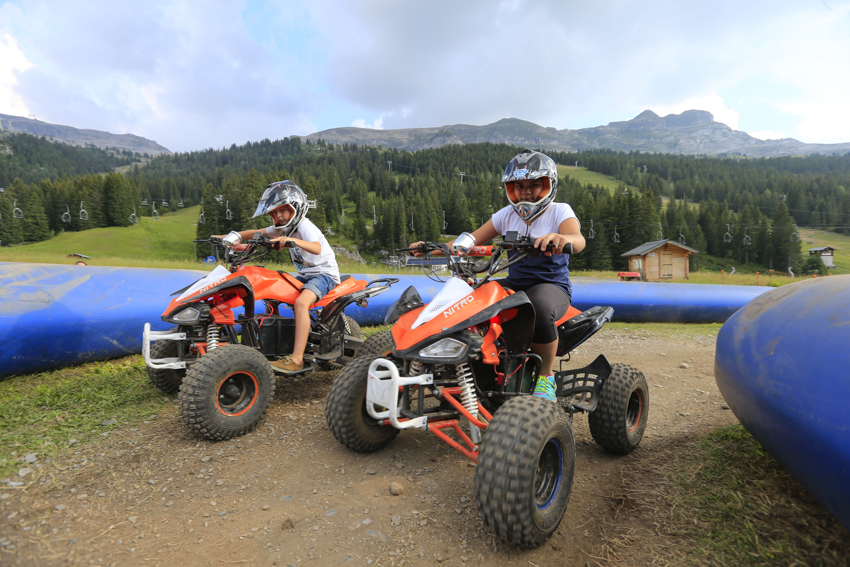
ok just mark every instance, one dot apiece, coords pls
pixel 77 137
pixel 694 132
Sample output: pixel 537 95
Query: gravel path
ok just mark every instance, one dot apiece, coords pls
pixel 288 493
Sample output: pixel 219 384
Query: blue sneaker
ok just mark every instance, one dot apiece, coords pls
pixel 545 388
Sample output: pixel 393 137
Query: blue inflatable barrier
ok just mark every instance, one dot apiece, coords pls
pixel 783 365
pixel 56 315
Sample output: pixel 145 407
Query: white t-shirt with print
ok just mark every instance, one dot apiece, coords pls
pixel 506 220
pixel 311 264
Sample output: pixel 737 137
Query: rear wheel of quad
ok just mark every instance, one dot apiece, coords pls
pixel 168 380
pixel 525 470
pixel 379 344
pixel 353 329
pixel 226 392
pixel 346 413
pixel 620 417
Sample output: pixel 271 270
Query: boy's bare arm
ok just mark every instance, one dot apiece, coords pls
pixel 309 247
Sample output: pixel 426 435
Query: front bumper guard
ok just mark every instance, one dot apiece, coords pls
pixel 157 363
pixel 382 389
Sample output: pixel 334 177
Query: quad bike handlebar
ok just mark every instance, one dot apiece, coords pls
pixel 466 268
pixel 247 251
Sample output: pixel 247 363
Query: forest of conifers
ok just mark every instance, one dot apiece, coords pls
pixel 744 211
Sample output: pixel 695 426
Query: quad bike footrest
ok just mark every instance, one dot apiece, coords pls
pixel 148 336
pixel 382 391
pixel 579 388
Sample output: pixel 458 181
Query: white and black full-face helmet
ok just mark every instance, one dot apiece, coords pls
pixel 283 194
pixel 526 166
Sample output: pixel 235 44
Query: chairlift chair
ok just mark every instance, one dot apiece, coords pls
pixel 66 216
pixel 591 234
pixel 84 215
pixel 155 213
pixel 227 214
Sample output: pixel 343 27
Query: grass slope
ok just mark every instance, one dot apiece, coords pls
pixel 587 177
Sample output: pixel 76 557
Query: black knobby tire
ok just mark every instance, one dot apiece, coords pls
pixel 168 380
pixel 379 344
pixel 620 417
pixel 355 331
pixel 525 470
pixel 226 392
pixel 346 413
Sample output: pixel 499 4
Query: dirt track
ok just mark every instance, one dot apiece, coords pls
pixel 288 493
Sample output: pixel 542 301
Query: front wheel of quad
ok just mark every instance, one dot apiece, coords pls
pixel 168 380
pixel 620 417
pixel 346 413
pixel 226 392
pixel 525 470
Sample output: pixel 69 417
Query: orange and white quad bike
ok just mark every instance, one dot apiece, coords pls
pixel 464 360
pixel 220 362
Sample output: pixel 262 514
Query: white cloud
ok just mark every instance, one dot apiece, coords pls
pixel 712 103
pixel 378 124
pixel 12 62
pixel 768 135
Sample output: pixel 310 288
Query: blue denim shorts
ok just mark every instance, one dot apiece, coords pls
pixel 320 284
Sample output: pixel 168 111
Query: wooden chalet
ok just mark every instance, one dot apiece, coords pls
pixel 660 260
pixel 825 253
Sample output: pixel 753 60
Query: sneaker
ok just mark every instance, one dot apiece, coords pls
pixel 545 388
pixel 287 365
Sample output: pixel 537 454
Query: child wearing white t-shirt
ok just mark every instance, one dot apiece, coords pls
pixel 313 257
pixel 531 183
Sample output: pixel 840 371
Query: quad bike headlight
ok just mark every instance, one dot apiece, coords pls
pixel 188 316
pixel 444 348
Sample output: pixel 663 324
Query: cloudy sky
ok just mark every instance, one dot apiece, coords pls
pixel 198 74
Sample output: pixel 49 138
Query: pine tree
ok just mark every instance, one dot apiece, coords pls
pixel 119 200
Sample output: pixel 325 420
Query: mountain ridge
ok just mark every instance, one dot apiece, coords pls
pixel 80 137
pixel 693 132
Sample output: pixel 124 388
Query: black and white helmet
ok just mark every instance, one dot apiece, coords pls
pixel 283 194
pixel 531 165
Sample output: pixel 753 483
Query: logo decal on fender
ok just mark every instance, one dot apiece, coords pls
pixel 454 308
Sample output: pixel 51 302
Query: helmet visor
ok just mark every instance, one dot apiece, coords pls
pixel 268 202
pixel 515 171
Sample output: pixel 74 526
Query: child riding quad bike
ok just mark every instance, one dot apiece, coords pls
pixel 466 355
pixel 223 373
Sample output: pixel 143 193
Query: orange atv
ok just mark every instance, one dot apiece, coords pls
pixel 220 361
pixel 464 359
